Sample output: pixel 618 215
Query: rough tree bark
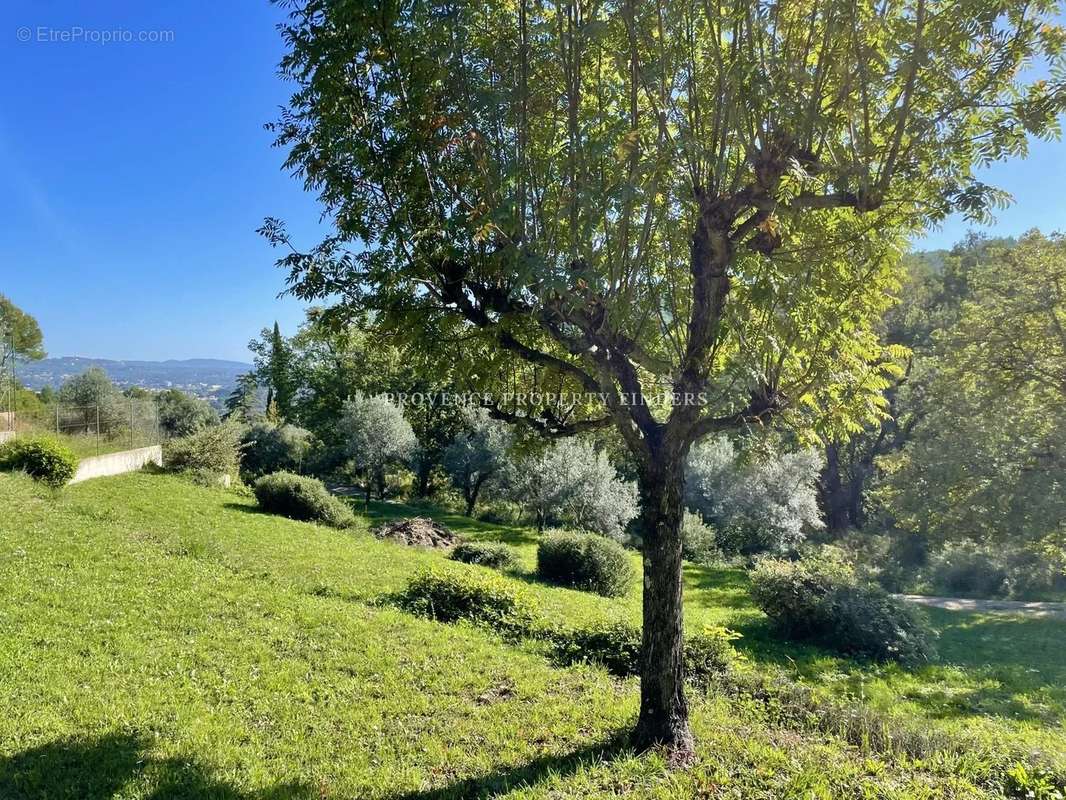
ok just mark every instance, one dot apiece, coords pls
pixel 663 717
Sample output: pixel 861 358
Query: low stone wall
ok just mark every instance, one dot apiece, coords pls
pixel 118 463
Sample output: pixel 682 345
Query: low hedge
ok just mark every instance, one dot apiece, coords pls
pixel 43 458
pixel 487 554
pixel 481 598
pixel 302 498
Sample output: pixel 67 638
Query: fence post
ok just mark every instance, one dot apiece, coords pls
pixel 97 429
pixel 57 418
pixel 131 423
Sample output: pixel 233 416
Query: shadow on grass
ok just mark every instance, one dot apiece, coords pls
pixel 526 775
pixel 98 768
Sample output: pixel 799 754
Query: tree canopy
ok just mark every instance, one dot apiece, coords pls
pixel 19 333
pixel 686 213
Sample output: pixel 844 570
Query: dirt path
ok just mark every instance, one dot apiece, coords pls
pixel 1025 608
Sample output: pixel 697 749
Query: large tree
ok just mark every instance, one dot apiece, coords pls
pixel 686 212
pixel 986 459
pixel 20 335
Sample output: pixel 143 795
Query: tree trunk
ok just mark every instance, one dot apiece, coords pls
pixel 472 493
pixel 836 502
pixel 425 471
pixel 663 709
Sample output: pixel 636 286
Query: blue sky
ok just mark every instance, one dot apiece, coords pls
pixel 133 176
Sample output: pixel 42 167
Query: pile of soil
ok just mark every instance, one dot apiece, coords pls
pixel 417 531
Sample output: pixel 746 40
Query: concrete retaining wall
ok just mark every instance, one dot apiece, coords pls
pixel 118 463
pixel 5 435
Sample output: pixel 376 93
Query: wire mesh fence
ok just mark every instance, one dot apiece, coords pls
pixel 119 423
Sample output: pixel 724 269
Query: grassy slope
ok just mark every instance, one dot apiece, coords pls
pixel 163 640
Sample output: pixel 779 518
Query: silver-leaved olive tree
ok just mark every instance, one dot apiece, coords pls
pixel 673 218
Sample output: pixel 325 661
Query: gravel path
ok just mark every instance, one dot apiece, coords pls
pixel 1025 608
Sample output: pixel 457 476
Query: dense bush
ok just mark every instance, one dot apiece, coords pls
pixel 481 598
pixel 616 646
pixel 302 498
pixel 214 450
pixel 266 448
pixel 698 540
pixel 757 502
pixel 822 601
pixel 966 570
pixel 584 561
pixel 970 570
pixel 487 554
pixel 43 458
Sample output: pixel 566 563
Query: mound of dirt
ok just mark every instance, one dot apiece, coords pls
pixel 417 531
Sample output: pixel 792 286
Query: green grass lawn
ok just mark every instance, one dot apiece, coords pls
pixel 159 640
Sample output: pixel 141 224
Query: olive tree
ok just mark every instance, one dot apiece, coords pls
pixel 766 502
pixel 573 482
pixel 478 455
pixel 377 437
pixel 677 218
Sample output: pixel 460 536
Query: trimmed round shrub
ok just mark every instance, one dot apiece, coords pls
pixel 584 561
pixel 41 457
pixel 822 601
pixel 487 554
pixel 301 498
pixel 480 598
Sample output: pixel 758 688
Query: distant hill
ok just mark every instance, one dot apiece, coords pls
pixel 204 377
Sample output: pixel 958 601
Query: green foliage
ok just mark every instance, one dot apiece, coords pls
pixel 984 407
pixel 573 482
pixel 90 388
pixel 965 569
pixel 821 600
pixel 758 501
pixel 181 414
pixel 585 561
pixel 301 498
pixel 377 438
pixel 479 598
pixel 698 543
pixel 275 368
pixel 18 331
pixel 42 457
pixel 266 448
pixel 243 402
pixel 214 450
pixel 478 456
pixel 487 554
pixel 616 646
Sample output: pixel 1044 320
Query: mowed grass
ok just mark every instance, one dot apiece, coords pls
pixel 159 639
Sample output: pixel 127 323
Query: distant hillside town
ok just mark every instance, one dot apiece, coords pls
pixel 207 378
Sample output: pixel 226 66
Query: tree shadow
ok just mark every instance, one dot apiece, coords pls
pixel 98 768
pixel 717 587
pixel 527 775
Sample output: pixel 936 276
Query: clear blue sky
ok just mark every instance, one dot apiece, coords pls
pixel 133 176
